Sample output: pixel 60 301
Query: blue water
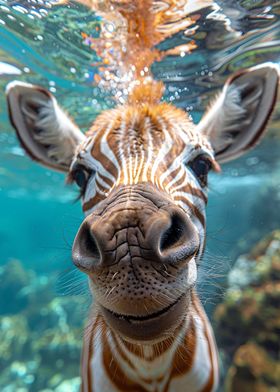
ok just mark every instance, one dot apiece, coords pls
pixel 41 43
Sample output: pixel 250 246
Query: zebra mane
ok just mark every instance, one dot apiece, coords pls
pixel 147 93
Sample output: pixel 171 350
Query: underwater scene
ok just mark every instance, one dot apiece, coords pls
pixel 81 52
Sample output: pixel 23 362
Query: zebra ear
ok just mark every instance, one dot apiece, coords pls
pixel 237 119
pixel 44 130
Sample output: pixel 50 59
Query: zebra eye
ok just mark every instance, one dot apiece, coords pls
pixel 201 166
pixel 81 176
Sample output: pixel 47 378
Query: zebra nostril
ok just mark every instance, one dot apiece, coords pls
pixel 173 235
pixel 179 241
pixel 85 251
pixel 90 245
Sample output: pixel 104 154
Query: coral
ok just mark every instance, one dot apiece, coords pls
pixel 248 320
pixel 253 369
pixel 40 333
pixel 14 280
pixel 14 339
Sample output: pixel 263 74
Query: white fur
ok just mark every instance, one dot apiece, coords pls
pixel 192 272
pixel 195 379
pixel 58 131
pixel 222 116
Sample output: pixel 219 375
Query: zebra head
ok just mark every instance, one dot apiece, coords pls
pixel 142 172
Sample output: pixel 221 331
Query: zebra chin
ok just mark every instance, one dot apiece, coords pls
pixel 152 327
pixel 150 315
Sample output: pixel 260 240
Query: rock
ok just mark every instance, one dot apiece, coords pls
pixel 14 339
pixel 14 279
pixel 247 323
pixel 59 311
pixel 21 289
pixel 41 342
pixel 253 370
pixel 59 353
pixel 71 385
pixel 18 376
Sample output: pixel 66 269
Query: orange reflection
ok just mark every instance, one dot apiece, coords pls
pixel 130 31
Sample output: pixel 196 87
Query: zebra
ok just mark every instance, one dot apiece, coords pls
pixel 142 172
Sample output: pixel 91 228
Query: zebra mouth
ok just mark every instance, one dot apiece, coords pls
pixel 149 327
pixel 151 316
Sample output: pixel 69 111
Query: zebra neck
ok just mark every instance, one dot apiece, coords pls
pixel 113 364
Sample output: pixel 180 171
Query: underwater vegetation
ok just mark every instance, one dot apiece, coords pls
pixel 39 350
pixel 248 320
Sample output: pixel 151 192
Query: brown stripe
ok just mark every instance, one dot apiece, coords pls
pixel 101 186
pixel 92 202
pixel 195 192
pixel 89 378
pixel 121 352
pixel 193 208
pixel 185 351
pixel 184 355
pixel 100 157
pixel 114 371
pixel 133 348
pixel 210 383
pixel 106 179
pixel 158 349
pixel 88 348
pixel 181 364
pixel 188 189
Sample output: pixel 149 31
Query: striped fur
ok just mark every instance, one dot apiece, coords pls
pixel 129 146
pixel 187 360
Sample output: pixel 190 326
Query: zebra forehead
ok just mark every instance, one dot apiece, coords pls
pixel 132 123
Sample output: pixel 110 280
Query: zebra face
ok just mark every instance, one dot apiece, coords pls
pixel 142 171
